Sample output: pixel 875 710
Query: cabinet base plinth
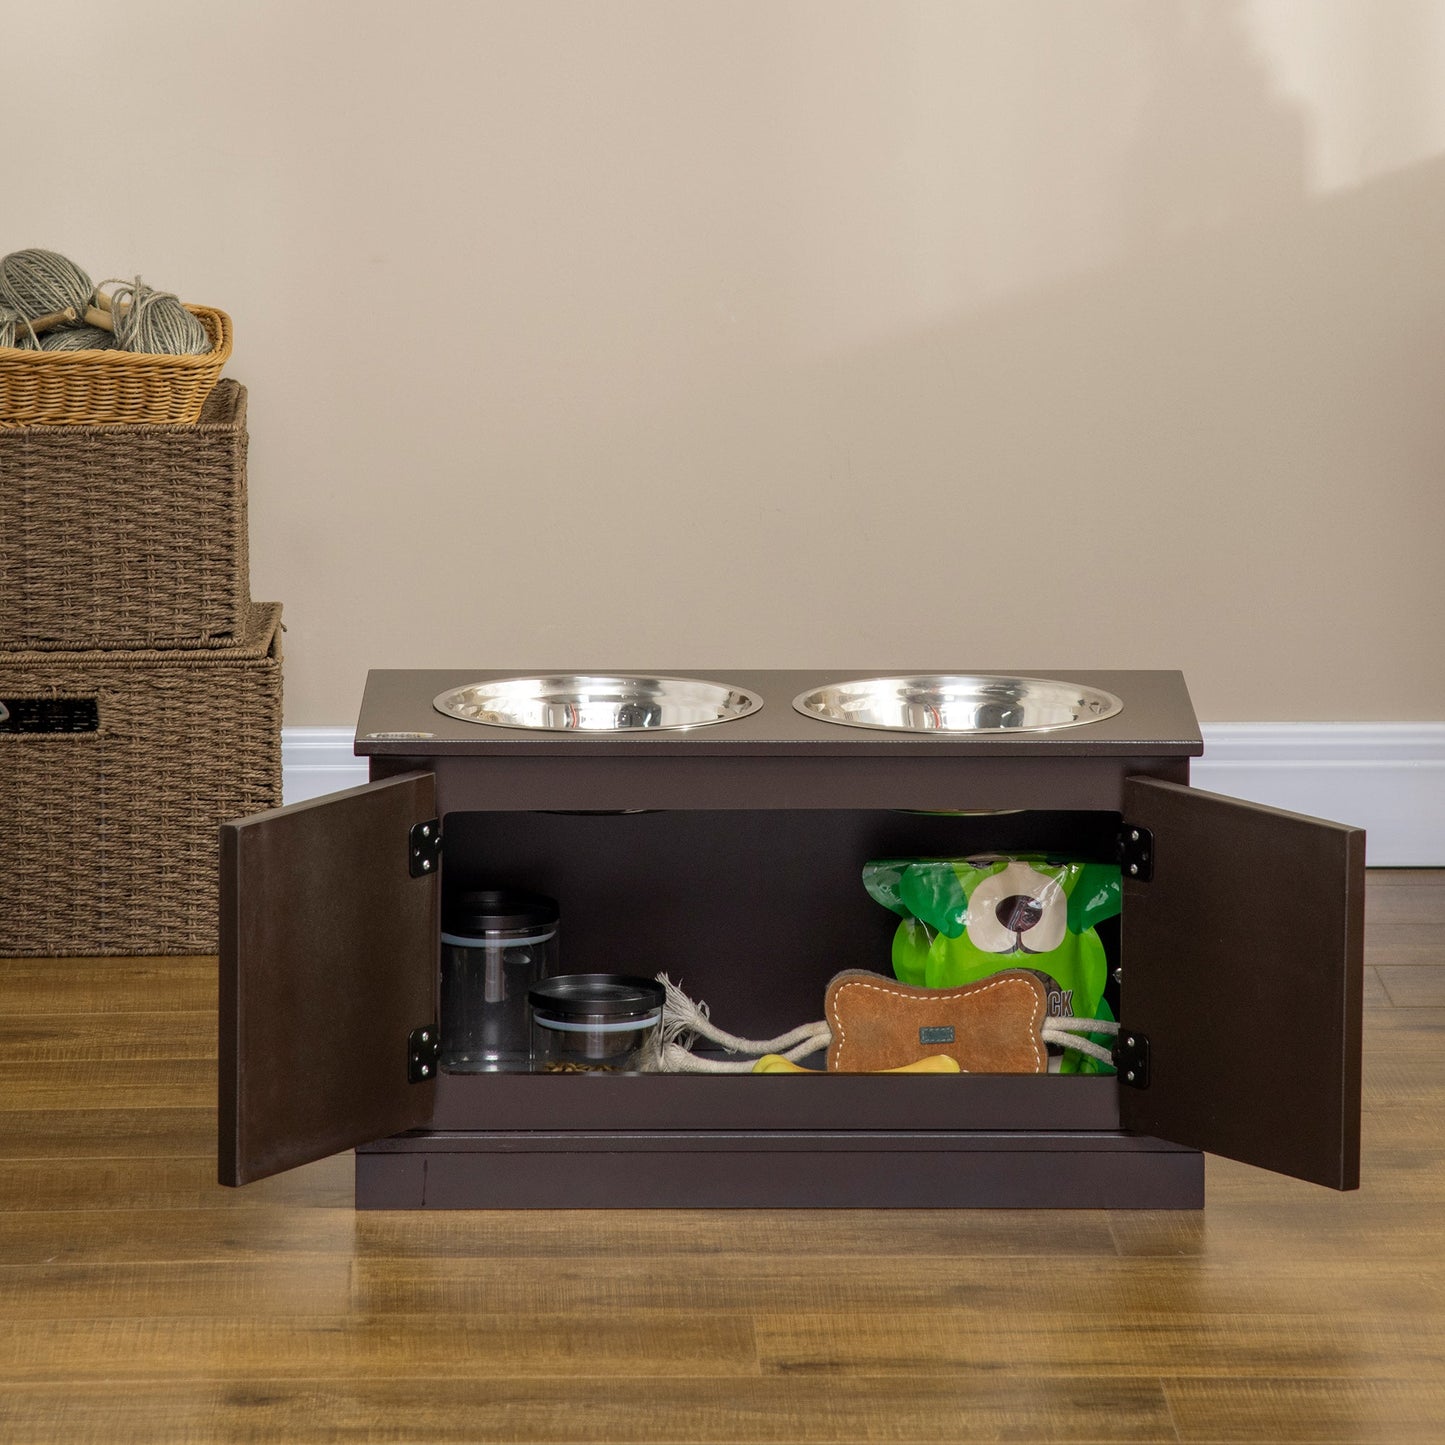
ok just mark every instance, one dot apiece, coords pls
pixel 675 1172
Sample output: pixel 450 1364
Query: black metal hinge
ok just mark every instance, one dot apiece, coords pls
pixel 1136 852
pixel 424 843
pixel 1131 1058
pixel 423 1049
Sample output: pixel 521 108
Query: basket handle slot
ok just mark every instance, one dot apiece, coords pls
pixel 49 715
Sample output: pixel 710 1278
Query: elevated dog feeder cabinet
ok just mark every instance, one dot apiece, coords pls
pixel 727 852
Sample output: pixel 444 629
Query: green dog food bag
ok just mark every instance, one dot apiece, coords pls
pixel 964 919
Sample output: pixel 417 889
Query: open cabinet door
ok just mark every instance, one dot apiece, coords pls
pixel 328 962
pixel 1243 968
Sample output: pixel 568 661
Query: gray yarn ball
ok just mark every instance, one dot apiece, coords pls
pixel 156 323
pixel 77 338
pixel 36 282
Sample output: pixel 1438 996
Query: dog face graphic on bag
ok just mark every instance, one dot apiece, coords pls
pixel 965 919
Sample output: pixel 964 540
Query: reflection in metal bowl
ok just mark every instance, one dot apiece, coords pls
pixel 959 703
pixel 597 702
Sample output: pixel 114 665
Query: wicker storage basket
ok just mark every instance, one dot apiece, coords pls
pixel 111 388
pixel 111 832
pixel 126 537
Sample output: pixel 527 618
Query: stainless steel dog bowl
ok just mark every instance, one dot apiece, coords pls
pixel 602 702
pixel 958 703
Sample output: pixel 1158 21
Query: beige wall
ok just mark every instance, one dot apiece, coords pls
pixel 1019 334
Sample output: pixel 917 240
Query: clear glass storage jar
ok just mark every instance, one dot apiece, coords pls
pixel 593 1022
pixel 496 945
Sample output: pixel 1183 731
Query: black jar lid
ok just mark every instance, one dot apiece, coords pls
pixel 605 995
pixel 479 911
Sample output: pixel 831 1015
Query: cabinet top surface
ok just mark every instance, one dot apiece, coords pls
pixel 398 718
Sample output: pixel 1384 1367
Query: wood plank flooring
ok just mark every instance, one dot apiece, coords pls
pixel 141 1302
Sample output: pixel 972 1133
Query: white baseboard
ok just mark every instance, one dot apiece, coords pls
pixel 318 760
pixel 1388 778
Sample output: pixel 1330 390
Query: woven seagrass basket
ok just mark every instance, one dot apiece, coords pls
pixel 112 388
pixel 111 829
pixel 126 537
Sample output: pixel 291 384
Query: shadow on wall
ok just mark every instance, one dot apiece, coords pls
pixel 1221 452
pixel 1196 425
pixel 1214 141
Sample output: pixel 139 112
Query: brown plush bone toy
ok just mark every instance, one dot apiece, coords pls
pixel 994 1026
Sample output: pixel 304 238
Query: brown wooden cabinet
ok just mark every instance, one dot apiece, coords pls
pixel 729 857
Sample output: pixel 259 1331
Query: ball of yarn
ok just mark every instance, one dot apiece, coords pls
pixel 36 282
pixel 155 322
pixel 77 338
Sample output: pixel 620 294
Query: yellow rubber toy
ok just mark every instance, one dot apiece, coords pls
pixel 932 1064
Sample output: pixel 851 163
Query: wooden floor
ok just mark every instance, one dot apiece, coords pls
pixel 141 1302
